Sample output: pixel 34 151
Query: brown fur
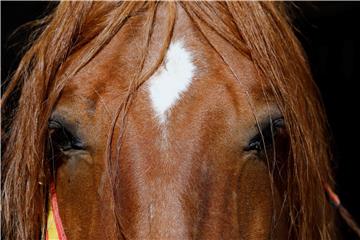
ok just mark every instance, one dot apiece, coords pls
pixel 90 65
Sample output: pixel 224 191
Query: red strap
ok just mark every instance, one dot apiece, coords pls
pixel 333 197
pixel 55 209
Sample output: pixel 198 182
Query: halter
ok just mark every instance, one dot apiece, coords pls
pixel 335 201
pixel 55 230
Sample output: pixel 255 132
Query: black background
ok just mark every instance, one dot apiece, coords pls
pixel 329 32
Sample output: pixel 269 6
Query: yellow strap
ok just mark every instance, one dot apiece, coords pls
pixel 51 231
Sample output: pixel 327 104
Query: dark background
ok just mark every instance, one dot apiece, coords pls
pixel 329 32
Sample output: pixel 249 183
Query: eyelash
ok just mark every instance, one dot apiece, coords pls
pixel 266 136
pixel 62 138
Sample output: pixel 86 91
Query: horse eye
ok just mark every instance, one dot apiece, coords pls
pixel 62 138
pixel 266 135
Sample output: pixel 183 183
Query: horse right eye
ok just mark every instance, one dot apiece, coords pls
pixel 62 138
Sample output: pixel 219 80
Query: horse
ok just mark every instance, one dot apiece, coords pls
pixel 165 120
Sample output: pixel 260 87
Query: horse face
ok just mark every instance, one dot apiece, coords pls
pixel 192 163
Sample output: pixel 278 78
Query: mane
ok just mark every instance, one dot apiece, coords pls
pixel 260 30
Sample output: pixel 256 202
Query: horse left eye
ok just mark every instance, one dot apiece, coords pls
pixel 266 135
pixel 62 138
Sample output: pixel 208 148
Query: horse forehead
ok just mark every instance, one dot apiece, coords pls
pixel 190 68
pixel 188 59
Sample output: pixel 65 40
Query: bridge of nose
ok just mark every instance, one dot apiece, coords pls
pixel 154 169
